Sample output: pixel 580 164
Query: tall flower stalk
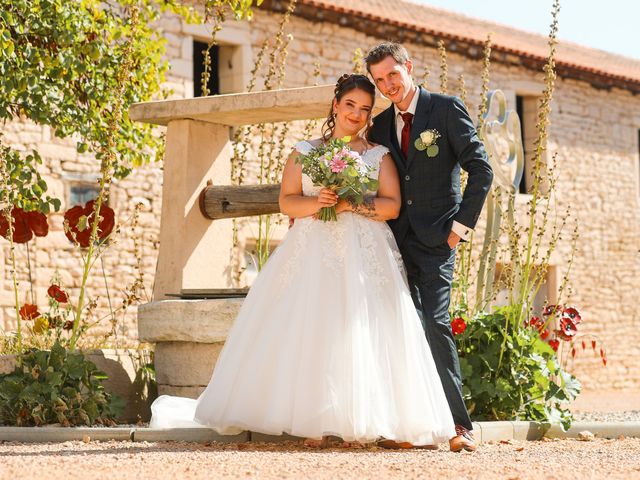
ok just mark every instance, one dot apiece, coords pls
pixel 107 152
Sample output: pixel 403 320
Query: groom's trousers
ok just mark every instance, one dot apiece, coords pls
pixel 430 273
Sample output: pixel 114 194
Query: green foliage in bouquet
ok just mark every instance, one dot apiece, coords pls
pixel 57 386
pixel 336 166
pixel 524 381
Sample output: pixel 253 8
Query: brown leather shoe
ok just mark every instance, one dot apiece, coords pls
pixel 427 447
pixel 462 441
pixel 393 445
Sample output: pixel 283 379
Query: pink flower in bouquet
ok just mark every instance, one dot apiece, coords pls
pixel 337 165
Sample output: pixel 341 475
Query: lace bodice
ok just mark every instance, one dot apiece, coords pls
pixel 372 157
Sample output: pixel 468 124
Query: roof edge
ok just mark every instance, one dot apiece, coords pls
pixel 466 46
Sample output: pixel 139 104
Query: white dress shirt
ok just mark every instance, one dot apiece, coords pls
pixel 461 230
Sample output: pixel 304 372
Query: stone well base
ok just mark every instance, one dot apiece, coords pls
pixel 189 335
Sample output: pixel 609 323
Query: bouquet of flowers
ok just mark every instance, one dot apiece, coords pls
pixel 336 166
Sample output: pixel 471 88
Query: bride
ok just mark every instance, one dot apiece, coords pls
pixel 328 341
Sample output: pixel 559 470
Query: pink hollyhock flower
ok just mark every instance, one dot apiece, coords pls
pixel 337 165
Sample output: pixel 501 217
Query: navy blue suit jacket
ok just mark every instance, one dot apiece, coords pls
pixel 431 197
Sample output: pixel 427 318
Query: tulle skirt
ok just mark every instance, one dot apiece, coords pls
pixel 327 342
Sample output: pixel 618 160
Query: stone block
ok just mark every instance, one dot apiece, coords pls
pixel 496 431
pixel 55 150
pixel 63 434
pixel 199 435
pixel 527 430
pixel 599 429
pixel 182 68
pixel 185 363
pixel 192 391
pixel 200 321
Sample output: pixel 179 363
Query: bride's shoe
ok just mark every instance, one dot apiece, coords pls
pixel 316 443
pixel 393 445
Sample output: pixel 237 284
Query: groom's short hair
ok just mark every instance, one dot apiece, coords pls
pixel 384 50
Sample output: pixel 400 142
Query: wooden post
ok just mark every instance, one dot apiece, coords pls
pixel 232 201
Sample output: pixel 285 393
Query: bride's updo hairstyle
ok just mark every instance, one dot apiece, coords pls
pixel 346 83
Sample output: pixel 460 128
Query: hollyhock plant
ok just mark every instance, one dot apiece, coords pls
pixel 57 294
pixel 458 326
pixel 25 225
pixel 573 314
pixel 78 221
pixel 567 329
pixel 29 311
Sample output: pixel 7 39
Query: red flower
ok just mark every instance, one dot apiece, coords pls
pixel 549 310
pixel 535 322
pixel 68 325
pixel 568 329
pixel 544 334
pixel 573 314
pixel 29 311
pixel 25 225
pixel 458 325
pixel 57 294
pixel 554 343
pixel 79 220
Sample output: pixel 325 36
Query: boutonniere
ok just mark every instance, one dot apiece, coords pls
pixel 427 141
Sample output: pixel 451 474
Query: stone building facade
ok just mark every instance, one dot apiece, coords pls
pixel 594 133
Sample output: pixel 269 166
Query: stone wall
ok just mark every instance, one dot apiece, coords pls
pixel 593 132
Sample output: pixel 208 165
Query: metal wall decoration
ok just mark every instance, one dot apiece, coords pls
pixel 508 171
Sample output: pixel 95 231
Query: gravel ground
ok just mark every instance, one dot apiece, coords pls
pixel 558 459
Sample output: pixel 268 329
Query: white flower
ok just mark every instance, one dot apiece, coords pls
pixel 427 137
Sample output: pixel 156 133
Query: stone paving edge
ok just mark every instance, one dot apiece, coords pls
pixel 483 432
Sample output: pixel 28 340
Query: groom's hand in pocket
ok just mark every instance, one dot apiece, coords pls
pixel 453 240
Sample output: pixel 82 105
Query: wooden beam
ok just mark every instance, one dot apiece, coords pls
pixel 238 109
pixel 233 201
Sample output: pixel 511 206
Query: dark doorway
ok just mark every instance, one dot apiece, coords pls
pixel 198 68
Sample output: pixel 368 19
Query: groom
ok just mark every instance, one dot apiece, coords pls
pixel 431 137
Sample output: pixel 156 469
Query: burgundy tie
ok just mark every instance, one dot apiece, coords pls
pixel 407 118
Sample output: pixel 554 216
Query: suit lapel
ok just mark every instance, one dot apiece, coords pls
pixel 420 121
pixel 390 139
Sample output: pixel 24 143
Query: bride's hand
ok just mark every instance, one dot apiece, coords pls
pixel 327 198
pixel 343 206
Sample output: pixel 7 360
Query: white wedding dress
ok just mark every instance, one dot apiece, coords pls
pixel 327 342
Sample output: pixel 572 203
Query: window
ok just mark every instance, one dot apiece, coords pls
pixel 82 193
pixel 527 109
pixel 198 68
